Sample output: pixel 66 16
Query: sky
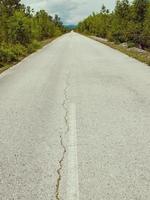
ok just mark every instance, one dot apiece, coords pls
pixel 70 11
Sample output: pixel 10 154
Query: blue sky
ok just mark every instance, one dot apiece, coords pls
pixel 70 11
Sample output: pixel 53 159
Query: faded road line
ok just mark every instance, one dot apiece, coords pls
pixel 72 179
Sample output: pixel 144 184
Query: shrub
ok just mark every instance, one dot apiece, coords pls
pixel 19 50
pixel 6 54
pixel 130 44
pixel 11 52
pixel 33 46
pixel 57 32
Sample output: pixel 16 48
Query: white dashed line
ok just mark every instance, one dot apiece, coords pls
pixel 72 179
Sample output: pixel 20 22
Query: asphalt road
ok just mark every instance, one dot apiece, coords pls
pixel 75 124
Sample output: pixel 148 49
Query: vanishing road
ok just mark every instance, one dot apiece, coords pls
pixel 75 124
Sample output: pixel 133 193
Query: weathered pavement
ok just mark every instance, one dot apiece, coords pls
pixel 75 124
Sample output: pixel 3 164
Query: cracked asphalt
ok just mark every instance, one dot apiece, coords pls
pixel 108 126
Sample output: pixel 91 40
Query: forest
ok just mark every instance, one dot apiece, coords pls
pixel 22 30
pixel 128 22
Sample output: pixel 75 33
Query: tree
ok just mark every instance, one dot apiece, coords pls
pixel 120 20
pixel 44 24
pixel 129 22
pixel 140 8
pixel 57 21
pixel 139 12
pixel 11 5
pixel 146 28
pixel 19 28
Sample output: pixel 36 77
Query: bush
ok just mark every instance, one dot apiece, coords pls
pixel 130 44
pixel 11 52
pixel 57 32
pixel 33 46
pixel 6 54
pixel 128 22
pixel 19 50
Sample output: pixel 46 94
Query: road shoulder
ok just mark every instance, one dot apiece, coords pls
pixel 140 55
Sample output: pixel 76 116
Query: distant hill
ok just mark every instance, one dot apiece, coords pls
pixel 70 27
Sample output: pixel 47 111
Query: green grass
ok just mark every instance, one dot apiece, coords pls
pixel 143 57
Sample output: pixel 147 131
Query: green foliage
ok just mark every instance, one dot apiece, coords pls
pixel 6 54
pixel 127 23
pixel 57 32
pixel 140 9
pixel 33 46
pixel 130 44
pixel 21 30
pixel 44 25
pixel 9 53
pixel 19 50
pixel 146 29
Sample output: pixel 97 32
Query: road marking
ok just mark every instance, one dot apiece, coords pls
pixel 72 178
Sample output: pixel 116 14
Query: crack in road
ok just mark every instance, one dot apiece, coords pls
pixel 65 107
pixel 60 169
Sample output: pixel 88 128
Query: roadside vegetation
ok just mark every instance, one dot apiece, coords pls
pixel 22 31
pixel 128 24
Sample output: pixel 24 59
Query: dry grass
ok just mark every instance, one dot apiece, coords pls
pixel 3 68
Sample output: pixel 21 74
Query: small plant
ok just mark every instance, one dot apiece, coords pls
pixel 11 52
pixel 33 46
pixel 130 44
pixel 6 54
pixel 19 50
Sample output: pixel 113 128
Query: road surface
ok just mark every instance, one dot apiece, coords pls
pixel 75 124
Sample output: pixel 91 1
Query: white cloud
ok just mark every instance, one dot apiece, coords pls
pixel 70 11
